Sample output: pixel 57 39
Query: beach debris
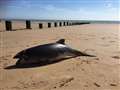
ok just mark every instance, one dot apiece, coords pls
pixel 113 84
pixel 64 81
pixel 116 57
pixel 96 84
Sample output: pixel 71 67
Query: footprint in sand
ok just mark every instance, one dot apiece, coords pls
pixel 27 45
pixel 31 84
pixel 86 39
pixel 112 41
pixel 89 38
pixel 89 50
pixel 103 38
pixel 104 45
pixel 117 52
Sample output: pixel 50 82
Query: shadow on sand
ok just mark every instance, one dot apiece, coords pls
pixel 35 65
pixel 13 30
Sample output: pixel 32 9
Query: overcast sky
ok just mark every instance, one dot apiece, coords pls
pixel 60 9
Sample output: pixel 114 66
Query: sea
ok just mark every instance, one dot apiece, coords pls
pixel 79 21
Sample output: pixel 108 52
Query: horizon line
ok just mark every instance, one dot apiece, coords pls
pixel 57 19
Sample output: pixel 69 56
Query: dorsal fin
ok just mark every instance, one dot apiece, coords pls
pixel 61 41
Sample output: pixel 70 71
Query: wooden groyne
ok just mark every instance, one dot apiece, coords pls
pixel 28 24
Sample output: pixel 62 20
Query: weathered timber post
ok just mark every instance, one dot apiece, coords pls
pixel 64 23
pixel 8 25
pixel 28 24
pixel 60 24
pixel 40 25
pixel 55 24
pixel 49 25
pixel 67 23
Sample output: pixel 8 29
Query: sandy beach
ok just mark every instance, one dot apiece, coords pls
pixel 80 73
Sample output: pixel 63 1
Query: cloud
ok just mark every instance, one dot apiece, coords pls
pixel 19 4
pixel 107 13
pixel 109 5
pixel 26 8
pixel 112 9
pixel 49 8
pixel 26 3
pixel 60 13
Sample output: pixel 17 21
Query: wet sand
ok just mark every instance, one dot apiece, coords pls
pixel 80 73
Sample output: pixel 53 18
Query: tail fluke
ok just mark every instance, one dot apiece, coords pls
pixel 84 54
pixel 78 53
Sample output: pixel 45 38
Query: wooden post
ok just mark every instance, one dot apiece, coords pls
pixel 64 23
pixel 67 23
pixel 55 24
pixel 40 25
pixel 60 24
pixel 8 25
pixel 28 24
pixel 49 25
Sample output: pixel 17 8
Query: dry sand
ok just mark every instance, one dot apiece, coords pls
pixel 81 73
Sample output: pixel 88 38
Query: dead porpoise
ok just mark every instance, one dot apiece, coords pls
pixel 47 53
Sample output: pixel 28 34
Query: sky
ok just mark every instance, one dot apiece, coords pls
pixel 60 9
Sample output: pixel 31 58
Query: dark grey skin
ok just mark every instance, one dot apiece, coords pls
pixel 47 53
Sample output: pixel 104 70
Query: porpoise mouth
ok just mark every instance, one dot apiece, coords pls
pixel 15 57
pixel 20 54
